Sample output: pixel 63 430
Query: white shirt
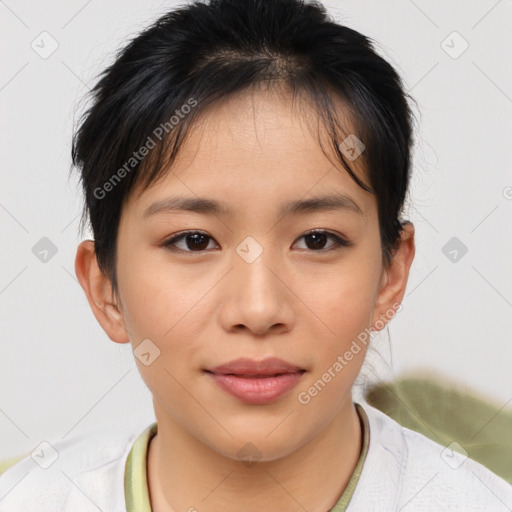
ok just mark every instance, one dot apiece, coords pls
pixel 404 471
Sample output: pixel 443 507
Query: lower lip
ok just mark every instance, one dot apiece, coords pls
pixel 257 390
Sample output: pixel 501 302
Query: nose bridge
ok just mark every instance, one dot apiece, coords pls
pixel 251 268
pixel 258 299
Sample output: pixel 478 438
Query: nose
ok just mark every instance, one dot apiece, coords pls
pixel 257 297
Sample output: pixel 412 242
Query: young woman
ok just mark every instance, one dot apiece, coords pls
pixel 244 165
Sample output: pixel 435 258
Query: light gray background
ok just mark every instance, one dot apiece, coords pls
pixel 60 375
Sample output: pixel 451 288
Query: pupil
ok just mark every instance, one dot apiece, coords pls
pixel 318 240
pixel 197 241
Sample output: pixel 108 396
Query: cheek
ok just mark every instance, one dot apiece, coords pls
pixel 171 307
pixel 345 307
pixel 346 303
pixel 347 313
pixel 165 308
pixel 158 296
pixel 344 298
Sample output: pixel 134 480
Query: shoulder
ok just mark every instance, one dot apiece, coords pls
pixel 422 475
pixel 82 473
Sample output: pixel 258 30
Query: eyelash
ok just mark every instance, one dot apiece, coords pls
pixel 340 242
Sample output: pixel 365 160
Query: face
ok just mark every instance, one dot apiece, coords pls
pixel 250 279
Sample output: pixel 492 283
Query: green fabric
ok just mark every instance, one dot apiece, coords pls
pixel 342 503
pixel 135 475
pixel 440 411
pixel 135 481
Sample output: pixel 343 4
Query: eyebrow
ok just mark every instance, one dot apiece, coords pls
pixel 213 207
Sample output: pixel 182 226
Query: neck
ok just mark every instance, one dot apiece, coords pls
pixel 185 474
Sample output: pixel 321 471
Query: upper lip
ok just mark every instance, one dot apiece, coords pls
pixel 246 366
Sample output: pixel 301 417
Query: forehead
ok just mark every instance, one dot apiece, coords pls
pixel 258 147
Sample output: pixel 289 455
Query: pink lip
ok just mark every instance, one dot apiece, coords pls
pixel 257 382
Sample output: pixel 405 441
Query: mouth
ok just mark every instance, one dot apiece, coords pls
pixel 255 376
pixel 269 367
pixel 256 382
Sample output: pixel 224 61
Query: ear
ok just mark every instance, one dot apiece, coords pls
pixel 98 289
pixel 394 279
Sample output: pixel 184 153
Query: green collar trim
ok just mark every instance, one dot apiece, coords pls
pixel 342 503
pixel 135 475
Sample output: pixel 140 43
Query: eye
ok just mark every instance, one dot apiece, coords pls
pixel 194 241
pixel 315 240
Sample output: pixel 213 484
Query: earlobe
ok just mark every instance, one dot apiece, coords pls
pixel 98 290
pixel 394 279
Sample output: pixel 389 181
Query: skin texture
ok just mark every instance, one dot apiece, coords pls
pixel 297 301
